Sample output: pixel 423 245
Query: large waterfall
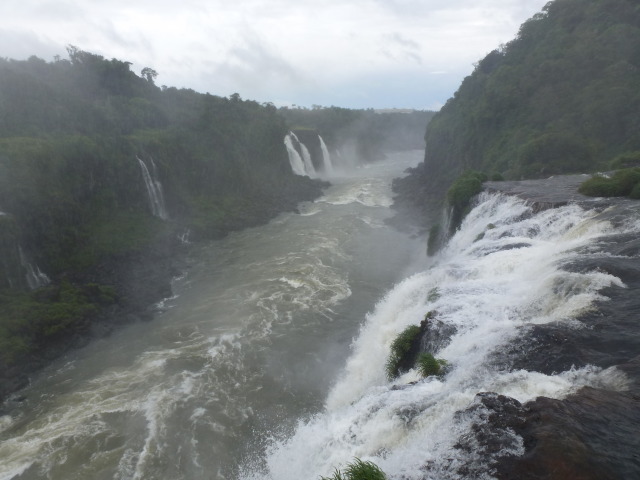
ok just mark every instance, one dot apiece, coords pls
pixel 154 190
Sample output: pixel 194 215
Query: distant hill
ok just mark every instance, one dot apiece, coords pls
pixel 562 97
pixel 103 176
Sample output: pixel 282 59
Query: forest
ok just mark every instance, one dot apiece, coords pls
pixel 79 140
pixel 561 97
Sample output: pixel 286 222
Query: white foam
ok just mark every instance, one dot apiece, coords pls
pixel 488 288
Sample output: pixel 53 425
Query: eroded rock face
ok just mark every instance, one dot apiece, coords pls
pixel 591 435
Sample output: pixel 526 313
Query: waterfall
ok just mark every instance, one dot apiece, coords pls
pixel 154 190
pixel 36 278
pixel 500 274
pixel 326 157
pixel 310 170
pixel 308 164
pixel 294 157
pixel 301 165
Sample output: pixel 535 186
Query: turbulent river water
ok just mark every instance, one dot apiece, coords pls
pixel 259 328
pixel 269 362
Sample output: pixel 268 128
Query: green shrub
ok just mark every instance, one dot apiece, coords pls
pixel 635 192
pixel 464 188
pixel 358 470
pixel 600 186
pixel 497 177
pixel 429 365
pixel 627 179
pixel 28 321
pixel 400 347
pixel 620 184
pixel 433 295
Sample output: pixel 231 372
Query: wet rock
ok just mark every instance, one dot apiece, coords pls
pixel 591 435
pixel 435 334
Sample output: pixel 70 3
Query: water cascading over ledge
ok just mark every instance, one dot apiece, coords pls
pixel 154 189
pixel 297 165
pixel 301 163
pixel 326 157
pixel 509 270
pixel 36 278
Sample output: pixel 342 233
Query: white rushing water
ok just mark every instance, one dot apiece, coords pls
pixel 154 190
pixel 295 160
pixel 306 158
pixel 326 158
pixel 501 272
pixel 35 277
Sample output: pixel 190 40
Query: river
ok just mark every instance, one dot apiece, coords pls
pixel 258 329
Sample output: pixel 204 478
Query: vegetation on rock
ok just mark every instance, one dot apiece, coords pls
pixel 358 470
pixel 623 183
pixel 400 346
pixel 429 365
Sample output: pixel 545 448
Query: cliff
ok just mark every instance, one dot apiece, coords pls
pixel 559 98
pixel 105 178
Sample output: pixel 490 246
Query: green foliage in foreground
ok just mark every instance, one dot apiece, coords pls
pixel 623 183
pixel 29 320
pixel 400 347
pixel 358 470
pixel 429 365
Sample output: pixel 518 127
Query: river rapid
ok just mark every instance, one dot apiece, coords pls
pixel 269 362
pixel 258 330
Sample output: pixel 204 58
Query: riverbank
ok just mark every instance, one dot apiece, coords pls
pixel 135 282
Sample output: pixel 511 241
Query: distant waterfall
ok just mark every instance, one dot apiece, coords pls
pixel 295 159
pixel 154 190
pixel 36 278
pixel 326 157
pixel 306 157
pixel 301 165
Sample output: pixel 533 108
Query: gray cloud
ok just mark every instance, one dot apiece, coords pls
pixel 301 50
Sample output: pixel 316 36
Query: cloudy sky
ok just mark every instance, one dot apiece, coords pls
pixel 348 53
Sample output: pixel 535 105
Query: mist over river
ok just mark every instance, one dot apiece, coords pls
pixel 258 330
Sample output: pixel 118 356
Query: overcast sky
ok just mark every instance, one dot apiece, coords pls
pixel 348 53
